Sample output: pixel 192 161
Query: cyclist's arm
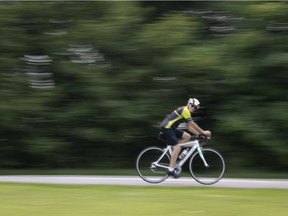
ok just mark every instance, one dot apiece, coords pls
pixel 194 128
pixel 191 125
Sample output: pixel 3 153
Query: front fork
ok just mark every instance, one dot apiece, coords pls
pixel 202 156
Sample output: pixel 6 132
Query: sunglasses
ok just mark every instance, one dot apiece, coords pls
pixel 195 107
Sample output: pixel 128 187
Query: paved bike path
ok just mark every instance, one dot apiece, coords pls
pixel 137 181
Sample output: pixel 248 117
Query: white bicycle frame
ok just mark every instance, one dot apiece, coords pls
pixel 193 145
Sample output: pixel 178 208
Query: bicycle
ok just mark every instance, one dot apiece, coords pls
pixel 206 165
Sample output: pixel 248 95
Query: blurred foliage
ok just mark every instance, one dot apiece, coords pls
pixel 88 86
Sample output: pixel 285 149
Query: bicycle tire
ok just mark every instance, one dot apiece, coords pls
pixel 207 175
pixel 145 168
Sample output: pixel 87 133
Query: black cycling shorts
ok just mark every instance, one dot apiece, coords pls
pixel 172 135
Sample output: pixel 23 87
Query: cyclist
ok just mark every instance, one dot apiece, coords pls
pixel 176 136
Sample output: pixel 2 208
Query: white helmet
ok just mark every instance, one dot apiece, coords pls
pixel 194 102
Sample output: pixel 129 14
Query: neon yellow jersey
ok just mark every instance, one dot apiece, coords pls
pixel 182 114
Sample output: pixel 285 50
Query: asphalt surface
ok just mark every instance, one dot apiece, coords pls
pixel 137 181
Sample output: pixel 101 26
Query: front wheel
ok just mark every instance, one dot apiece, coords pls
pixel 210 174
pixel 152 164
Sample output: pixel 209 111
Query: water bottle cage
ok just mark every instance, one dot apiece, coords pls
pixel 183 153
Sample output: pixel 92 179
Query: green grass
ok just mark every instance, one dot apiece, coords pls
pixel 83 200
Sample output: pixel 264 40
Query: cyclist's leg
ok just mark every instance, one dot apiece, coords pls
pixel 182 138
pixel 176 150
pixel 174 138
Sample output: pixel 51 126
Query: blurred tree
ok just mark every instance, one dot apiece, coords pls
pixel 89 85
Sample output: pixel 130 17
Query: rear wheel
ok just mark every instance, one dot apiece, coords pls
pixel 148 169
pixel 210 174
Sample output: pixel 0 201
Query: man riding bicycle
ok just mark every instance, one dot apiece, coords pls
pixel 176 136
